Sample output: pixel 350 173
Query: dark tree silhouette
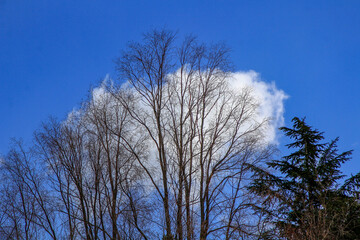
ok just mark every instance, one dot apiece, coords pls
pixel 309 202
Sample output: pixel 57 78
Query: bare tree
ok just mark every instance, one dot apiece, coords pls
pixel 96 178
pixel 27 201
pixel 202 130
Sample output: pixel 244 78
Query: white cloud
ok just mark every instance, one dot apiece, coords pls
pixel 267 95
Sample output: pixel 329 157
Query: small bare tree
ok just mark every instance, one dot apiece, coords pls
pixel 28 206
pixel 97 179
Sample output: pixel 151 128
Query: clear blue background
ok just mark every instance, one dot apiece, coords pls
pixel 52 52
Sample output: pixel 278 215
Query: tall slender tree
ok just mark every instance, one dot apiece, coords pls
pixel 200 130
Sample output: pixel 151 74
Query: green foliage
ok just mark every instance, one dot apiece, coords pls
pixel 309 203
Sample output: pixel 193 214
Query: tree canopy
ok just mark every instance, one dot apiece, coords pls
pixel 177 148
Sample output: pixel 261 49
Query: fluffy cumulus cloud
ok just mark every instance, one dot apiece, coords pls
pixel 269 98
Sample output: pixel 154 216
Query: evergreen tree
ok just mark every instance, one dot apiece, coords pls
pixel 309 203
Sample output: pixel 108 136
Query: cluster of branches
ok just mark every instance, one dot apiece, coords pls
pixel 165 156
pixel 174 152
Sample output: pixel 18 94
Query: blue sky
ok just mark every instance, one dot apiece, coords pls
pixel 53 52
